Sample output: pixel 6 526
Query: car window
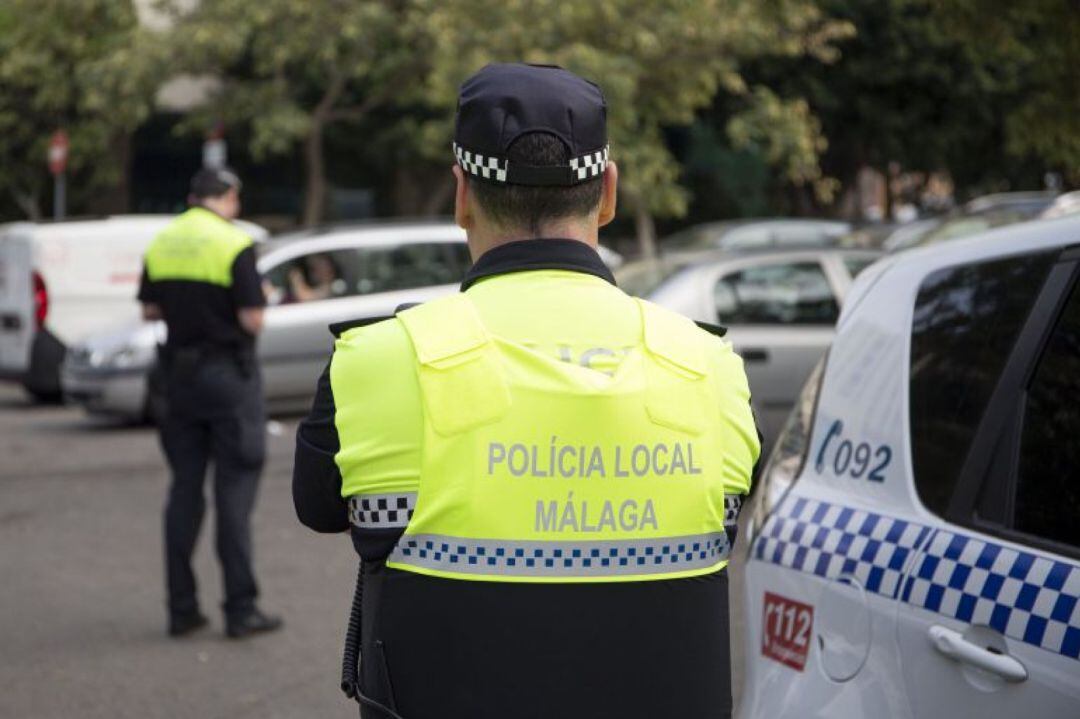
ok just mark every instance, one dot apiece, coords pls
pixel 366 270
pixel 1048 485
pixel 780 294
pixel 965 323
pixel 856 264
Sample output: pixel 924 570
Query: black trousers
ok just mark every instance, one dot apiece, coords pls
pixel 214 414
pixel 438 648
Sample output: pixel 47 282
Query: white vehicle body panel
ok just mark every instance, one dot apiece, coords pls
pixel 839 537
pixel 91 271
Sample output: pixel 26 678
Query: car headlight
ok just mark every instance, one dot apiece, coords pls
pixel 128 357
pixel 788 456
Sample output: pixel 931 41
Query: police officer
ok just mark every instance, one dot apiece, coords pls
pixel 200 278
pixel 541 474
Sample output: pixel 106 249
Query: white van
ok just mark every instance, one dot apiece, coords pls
pixel 60 282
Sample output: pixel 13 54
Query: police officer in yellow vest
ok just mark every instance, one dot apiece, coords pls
pixel 200 278
pixel 540 474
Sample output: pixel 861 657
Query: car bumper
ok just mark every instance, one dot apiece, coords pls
pixel 110 392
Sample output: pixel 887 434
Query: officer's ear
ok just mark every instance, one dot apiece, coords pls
pixel 462 213
pixel 609 194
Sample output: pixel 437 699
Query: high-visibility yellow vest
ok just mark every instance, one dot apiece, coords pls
pixel 539 470
pixel 198 246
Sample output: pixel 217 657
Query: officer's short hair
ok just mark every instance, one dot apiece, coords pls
pixel 530 207
pixel 213 182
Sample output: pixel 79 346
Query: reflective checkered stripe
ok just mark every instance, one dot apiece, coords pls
pixel 590 165
pixel 490 168
pixel 382 511
pixel 732 506
pixel 1024 596
pixel 534 559
pixel 581 168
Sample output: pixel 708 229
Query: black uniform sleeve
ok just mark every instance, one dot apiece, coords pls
pixel 147 289
pixel 316 477
pixel 246 282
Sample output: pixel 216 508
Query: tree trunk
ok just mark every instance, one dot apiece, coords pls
pixel 646 229
pixel 315 175
pixel 440 196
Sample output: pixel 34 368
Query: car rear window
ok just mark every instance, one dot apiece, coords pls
pixel 966 321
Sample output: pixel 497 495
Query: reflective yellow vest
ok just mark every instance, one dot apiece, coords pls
pixel 534 469
pixel 198 246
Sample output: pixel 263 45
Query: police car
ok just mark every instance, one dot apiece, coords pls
pixel 915 544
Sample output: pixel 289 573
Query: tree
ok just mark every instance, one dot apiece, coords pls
pixel 1037 43
pixel 985 91
pixel 293 69
pixel 68 65
pixel 658 61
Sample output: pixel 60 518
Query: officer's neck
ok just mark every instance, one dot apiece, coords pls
pixel 484 237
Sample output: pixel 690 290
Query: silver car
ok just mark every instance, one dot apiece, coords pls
pixel 312 279
pixel 779 307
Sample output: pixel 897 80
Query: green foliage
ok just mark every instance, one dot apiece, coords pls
pixel 283 65
pixel 288 68
pixel 658 62
pixel 67 64
pixel 1036 45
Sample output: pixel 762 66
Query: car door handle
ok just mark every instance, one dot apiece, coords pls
pixel 754 354
pixel 952 644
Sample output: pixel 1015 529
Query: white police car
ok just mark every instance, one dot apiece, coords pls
pixel 915 546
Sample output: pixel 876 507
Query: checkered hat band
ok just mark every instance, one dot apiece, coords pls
pixel 382 511
pixel 580 169
pixel 1028 597
pixel 566 559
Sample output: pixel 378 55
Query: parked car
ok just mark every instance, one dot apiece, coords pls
pixel 914 544
pixel 778 233
pixel 978 215
pixel 313 279
pixel 779 308
pixel 62 281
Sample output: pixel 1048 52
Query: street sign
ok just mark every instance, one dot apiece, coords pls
pixel 58 152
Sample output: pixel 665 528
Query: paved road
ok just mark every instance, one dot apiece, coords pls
pixel 82 612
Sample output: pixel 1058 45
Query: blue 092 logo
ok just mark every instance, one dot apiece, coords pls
pixel 851 459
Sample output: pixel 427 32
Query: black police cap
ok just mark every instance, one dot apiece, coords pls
pixel 213 182
pixel 502 102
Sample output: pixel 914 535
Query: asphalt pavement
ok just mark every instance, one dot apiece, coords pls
pixel 82 612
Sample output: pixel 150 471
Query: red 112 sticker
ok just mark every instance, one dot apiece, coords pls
pixel 786 630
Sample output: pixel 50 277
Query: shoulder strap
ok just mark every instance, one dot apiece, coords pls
pixel 461 378
pixel 676 392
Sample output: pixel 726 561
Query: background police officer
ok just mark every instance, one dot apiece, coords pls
pixel 542 472
pixel 200 278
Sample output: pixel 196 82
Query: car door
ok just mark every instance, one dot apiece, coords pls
pixel 310 291
pixel 989 616
pixel 780 315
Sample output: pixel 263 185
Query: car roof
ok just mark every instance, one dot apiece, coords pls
pixel 867 372
pixel 330 238
pixel 49 229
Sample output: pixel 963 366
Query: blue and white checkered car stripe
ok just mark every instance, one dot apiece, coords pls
pixel 1027 597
